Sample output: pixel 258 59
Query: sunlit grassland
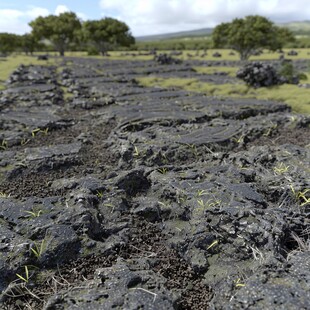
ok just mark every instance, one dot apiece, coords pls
pixel 9 64
pixel 191 54
pixel 231 71
pixel 296 97
pixel 227 55
pixel 113 55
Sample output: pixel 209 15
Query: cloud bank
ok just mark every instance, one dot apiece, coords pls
pixel 145 17
pixel 160 16
pixel 16 21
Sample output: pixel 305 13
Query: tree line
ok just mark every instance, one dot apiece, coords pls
pixel 66 32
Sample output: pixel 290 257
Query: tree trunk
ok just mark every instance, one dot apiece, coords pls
pixel 60 47
pixel 102 47
pixel 103 50
pixel 244 55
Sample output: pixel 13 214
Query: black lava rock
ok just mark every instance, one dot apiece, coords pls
pixel 165 59
pixel 259 74
pixel 292 53
pixel 217 55
pixel 42 57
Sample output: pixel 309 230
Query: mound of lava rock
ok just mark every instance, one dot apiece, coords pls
pixel 165 59
pixel 259 74
pixel 119 196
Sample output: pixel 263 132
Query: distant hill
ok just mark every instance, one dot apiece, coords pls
pixel 300 27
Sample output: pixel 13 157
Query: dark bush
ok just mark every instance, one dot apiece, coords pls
pixel 92 51
pixel 288 71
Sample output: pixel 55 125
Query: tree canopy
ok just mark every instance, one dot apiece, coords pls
pixel 60 30
pixel 107 32
pixel 8 43
pixel 247 35
pixel 28 43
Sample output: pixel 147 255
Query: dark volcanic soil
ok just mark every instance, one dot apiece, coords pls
pixel 116 196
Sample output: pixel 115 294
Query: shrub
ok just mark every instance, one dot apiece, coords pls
pixel 92 51
pixel 291 75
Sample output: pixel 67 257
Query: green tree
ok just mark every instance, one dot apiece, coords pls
pixel 247 35
pixel 60 30
pixel 284 35
pixel 107 32
pixel 8 43
pixel 28 43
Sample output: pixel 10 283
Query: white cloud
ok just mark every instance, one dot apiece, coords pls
pixel 61 9
pixel 16 21
pixel 9 21
pixel 34 12
pixel 81 15
pixel 160 16
pixel 7 14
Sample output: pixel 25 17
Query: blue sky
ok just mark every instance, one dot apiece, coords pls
pixel 146 17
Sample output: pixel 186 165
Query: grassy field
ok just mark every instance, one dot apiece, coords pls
pixel 231 71
pixel 190 54
pixel 298 98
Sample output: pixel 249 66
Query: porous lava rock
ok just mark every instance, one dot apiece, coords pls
pixel 115 195
pixel 165 59
pixel 259 74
